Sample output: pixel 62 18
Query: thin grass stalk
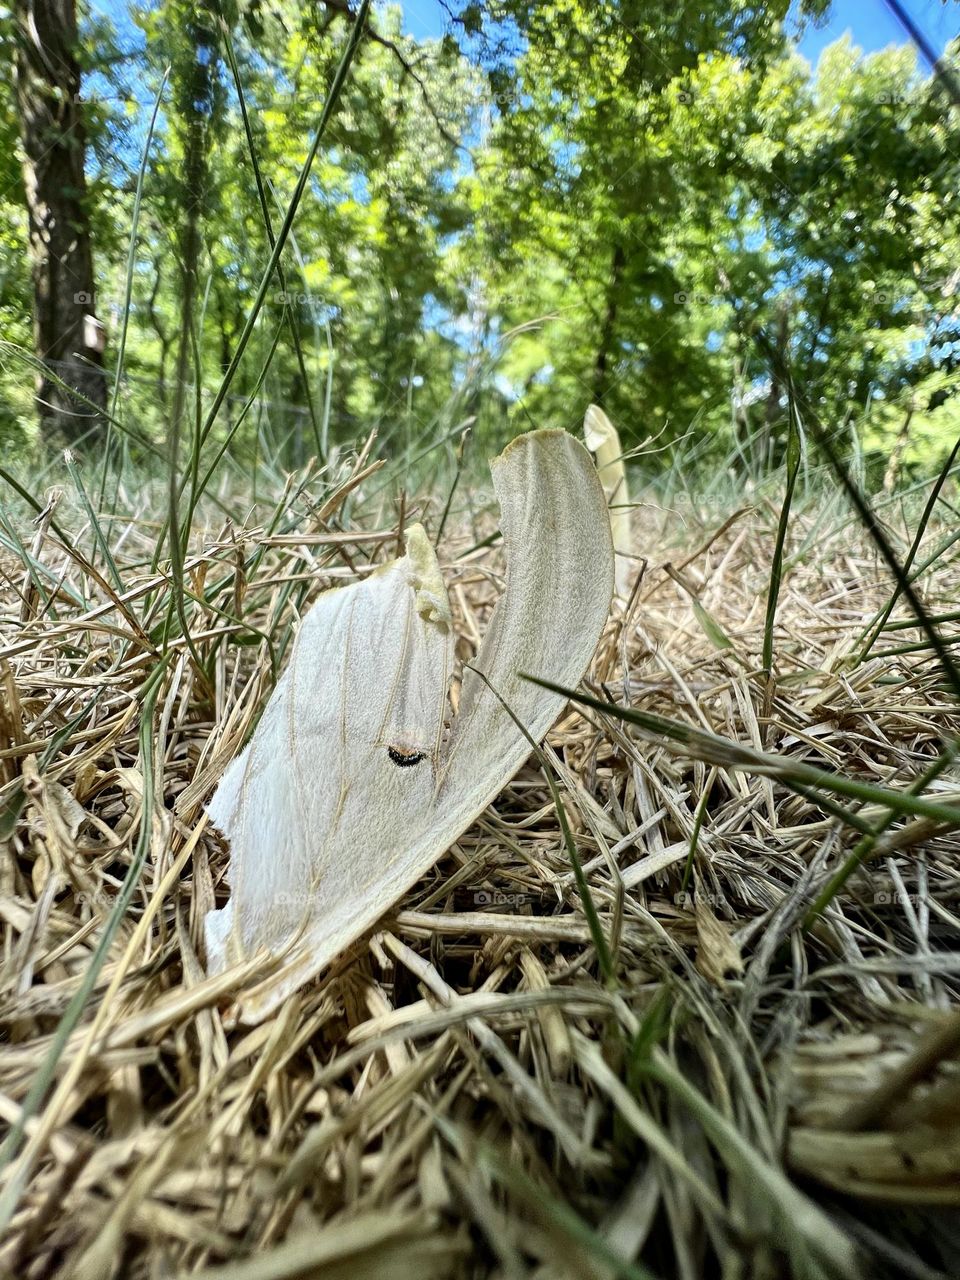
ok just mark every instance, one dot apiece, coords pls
pixel 329 107
pixel 268 227
pixel 921 529
pixel 604 956
pixel 128 294
pixel 537 1199
pixel 333 97
pixel 74 1011
pixel 870 522
pixel 865 846
pixel 99 537
pixel 734 755
pixel 794 457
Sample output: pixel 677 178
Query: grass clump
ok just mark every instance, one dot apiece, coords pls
pixel 682 1001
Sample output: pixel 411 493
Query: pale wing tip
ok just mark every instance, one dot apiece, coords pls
pixel 582 472
pixel 597 428
pixel 223 803
pixel 430 589
pixel 543 437
pixel 216 932
pixel 217 925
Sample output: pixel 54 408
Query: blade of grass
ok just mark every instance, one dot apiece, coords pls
pixel 127 295
pixel 866 844
pixel 695 834
pixel 794 458
pixel 604 958
pixel 928 510
pixel 37 366
pixel 870 522
pixel 74 1011
pixel 474 1151
pixel 268 227
pixel 727 754
pixel 14 806
pixel 815 1246
pixel 461 448
pixel 329 107
pixel 100 541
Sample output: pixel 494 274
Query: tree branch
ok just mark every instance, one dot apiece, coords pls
pixel 342 8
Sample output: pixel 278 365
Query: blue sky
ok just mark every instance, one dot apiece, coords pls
pixel 872 26
pixel 870 23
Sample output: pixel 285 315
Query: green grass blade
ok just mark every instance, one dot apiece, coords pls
pixel 604 957
pixel 727 754
pixel 100 538
pixel 794 457
pixel 867 516
pixel 128 290
pixel 921 529
pixel 74 1011
pixel 268 227
pixel 865 846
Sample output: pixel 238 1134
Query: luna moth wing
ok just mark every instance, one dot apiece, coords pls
pixel 603 439
pixel 368 673
pixel 556 600
pixel 367 832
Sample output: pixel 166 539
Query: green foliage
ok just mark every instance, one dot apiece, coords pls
pixel 663 215
pixel 15 403
pixel 549 204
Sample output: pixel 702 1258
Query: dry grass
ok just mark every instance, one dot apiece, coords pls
pixel 755 1094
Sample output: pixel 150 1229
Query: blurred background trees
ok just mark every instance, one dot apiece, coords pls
pixel 68 336
pixel 538 206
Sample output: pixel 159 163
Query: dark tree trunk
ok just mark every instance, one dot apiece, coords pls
pixel 601 370
pixel 196 104
pixel 160 330
pixel 774 410
pixel 67 335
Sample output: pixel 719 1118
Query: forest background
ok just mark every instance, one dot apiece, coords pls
pixel 515 209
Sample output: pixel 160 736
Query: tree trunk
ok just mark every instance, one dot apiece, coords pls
pixel 773 411
pixel 601 378
pixel 67 335
pixel 892 473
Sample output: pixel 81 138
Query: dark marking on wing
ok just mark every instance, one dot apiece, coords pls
pixel 404 757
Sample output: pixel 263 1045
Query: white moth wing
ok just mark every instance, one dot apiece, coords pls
pixel 358 828
pixel 316 796
pixel 603 439
pixel 557 597
pixel 597 428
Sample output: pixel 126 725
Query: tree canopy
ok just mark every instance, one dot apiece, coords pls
pixel 541 206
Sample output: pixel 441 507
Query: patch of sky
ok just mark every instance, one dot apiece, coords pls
pixel 871 25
